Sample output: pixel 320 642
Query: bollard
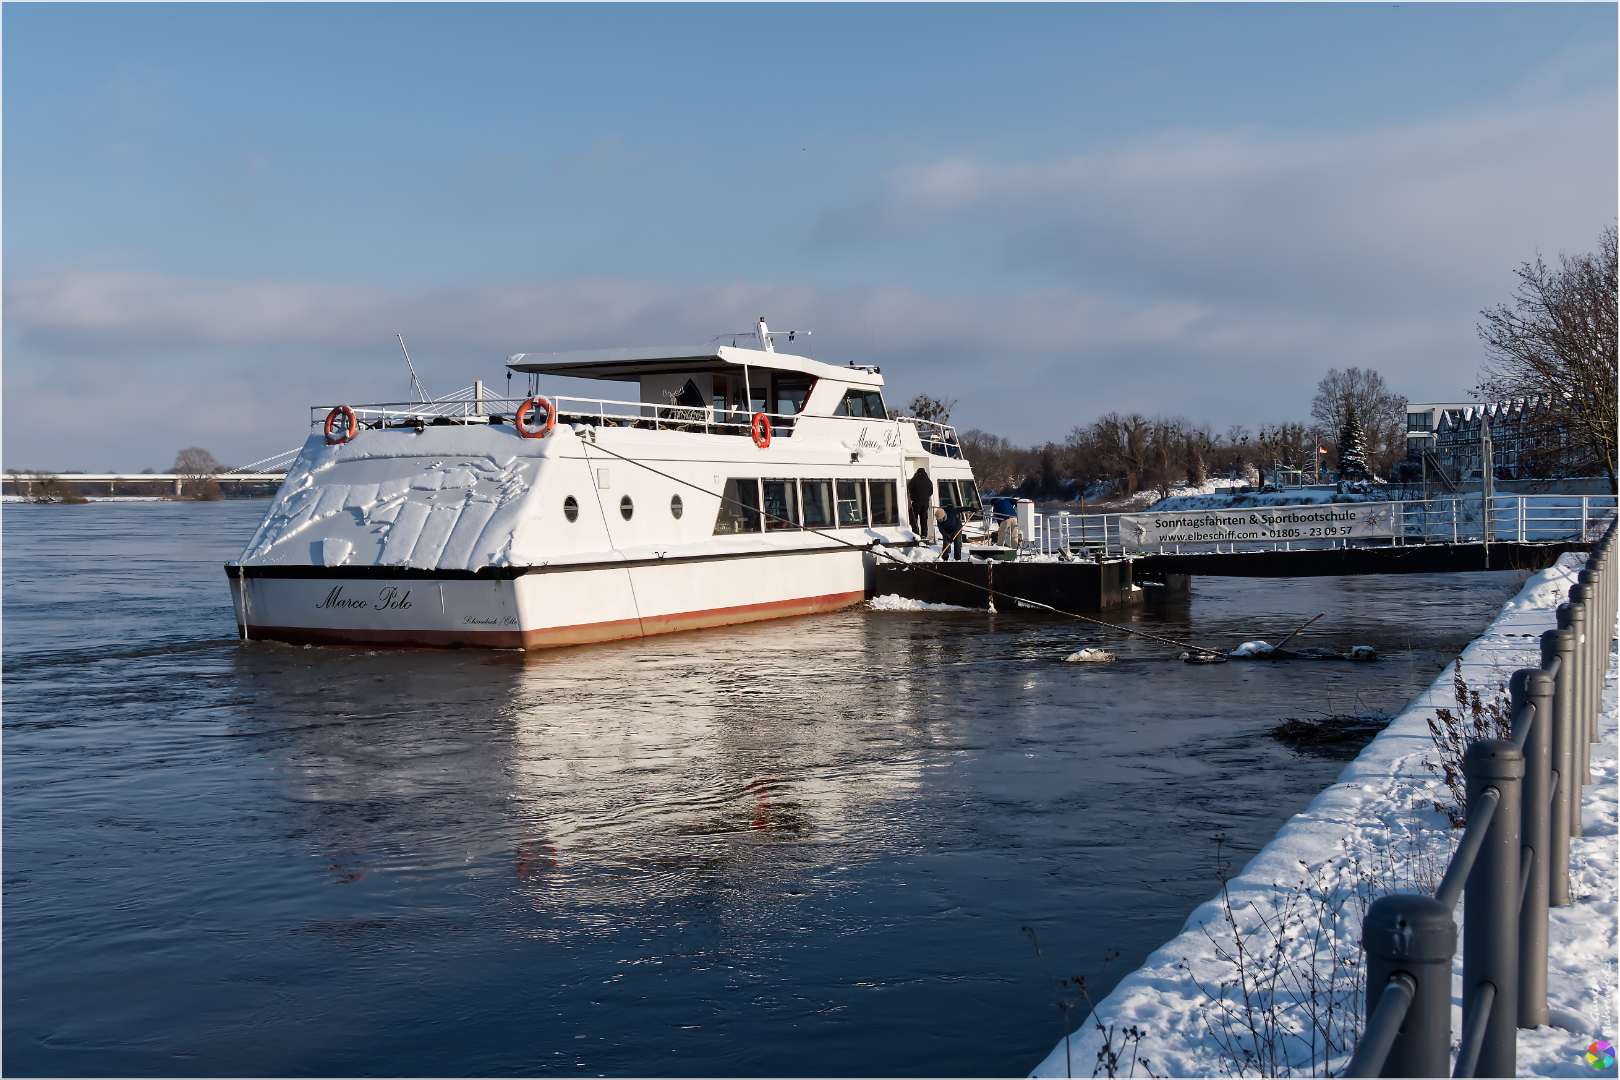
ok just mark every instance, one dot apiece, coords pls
pixel 1535 688
pixel 1580 696
pixel 1491 904
pixel 1415 935
pixel 1555 645
pixel 1565 705
pixel 1595 650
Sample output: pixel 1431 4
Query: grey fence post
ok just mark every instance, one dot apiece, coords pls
pixel 1491 904
pixel 1534 687
pixel 1592 603
pixel 1583 688
pixel 1555 644
pixel 1568 680
pixel 1414 934
pixel 1599 627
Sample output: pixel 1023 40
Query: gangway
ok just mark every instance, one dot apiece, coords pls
pixel 1441 535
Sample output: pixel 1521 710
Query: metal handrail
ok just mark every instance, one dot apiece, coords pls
pixel 1510 866
pixel 1456 520
pixel 1473 1036
pixel 1462 862
pixel 599 412
pixel 1382 1027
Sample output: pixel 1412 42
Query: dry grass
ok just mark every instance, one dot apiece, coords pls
pixel 1477 716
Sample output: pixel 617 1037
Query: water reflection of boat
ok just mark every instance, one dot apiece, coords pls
pixel 572 785
pixel 743 484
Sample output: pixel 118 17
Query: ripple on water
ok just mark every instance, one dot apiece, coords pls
pixel 758 850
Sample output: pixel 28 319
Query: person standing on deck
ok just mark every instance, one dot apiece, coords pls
pixel 919 490
pixel 950 531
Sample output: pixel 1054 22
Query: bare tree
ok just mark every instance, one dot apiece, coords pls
pixel 198 468
pixel 1381 411
pixel 1557 342
pixel 195 463
pixel 924 407
pixel 998 465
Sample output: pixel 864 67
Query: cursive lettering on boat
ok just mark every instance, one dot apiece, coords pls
pixel 891 438
pixel 390 600
pixel 336 599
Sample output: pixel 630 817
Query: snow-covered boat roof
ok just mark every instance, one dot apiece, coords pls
pixel 629 365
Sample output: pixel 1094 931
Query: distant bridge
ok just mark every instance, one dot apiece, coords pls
pixel 260 479
pixel 235 485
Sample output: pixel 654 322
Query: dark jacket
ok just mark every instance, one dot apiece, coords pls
pixel 920 488
pixel 951 524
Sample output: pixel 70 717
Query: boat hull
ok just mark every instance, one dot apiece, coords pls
pixel 539 607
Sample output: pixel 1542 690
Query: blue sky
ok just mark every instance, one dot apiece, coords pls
pixel 219 214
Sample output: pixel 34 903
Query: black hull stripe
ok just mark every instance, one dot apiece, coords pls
pixel 508 573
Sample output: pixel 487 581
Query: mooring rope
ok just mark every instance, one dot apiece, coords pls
pixel 916 566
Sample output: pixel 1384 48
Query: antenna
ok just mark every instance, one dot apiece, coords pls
pixel 416 384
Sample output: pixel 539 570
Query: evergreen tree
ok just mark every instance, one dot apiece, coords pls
pixel 1352 447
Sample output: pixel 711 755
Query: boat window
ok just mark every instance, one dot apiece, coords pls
pixel 970 494
pixel 739 508
pixel 818 505
pixel 851 503
pixel 626 508
pixel 885 506
pixel 781 504
pixel 947 493
pixel 675 507
pixel 791 390
pixel 867 404
pixel 571 509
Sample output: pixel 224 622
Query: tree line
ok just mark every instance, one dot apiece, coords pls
pixel 1357 426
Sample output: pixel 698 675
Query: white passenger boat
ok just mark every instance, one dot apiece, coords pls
pixel 742 484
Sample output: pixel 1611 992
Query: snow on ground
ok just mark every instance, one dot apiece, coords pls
pixel 1143 499
pixel 1374 832
pixel 892 602
pixel 1289 497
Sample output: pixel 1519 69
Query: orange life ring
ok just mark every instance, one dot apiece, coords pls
pixel 523 412
pixel 761 429
pixel 351 426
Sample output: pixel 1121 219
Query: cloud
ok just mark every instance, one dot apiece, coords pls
pixel 1028 365
pixel 1396 217
pixel 101 309
pixel 1215 275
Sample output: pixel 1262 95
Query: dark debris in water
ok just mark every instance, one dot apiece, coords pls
pixel 1340 736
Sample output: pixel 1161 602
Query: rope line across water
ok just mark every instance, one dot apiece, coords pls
pixel 915 566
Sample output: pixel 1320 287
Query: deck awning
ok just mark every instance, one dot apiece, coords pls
pixel 629 365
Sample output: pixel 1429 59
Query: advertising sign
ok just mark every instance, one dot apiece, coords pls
pixel 1324 521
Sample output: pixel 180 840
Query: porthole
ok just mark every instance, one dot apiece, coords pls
pixel 570 509
pixel 675 507
pixel 626 508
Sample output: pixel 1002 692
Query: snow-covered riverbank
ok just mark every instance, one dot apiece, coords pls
pixel 1375 831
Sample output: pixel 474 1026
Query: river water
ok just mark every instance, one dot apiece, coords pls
pixel 804 847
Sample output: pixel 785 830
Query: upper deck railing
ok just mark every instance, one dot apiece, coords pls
pixel 472 405
pixel 596 412
pixel 938 439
